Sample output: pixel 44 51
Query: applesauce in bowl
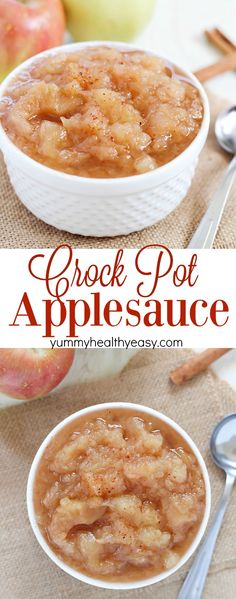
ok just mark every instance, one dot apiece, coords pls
pixel 101 112
pixel 118 496
pixel 118 187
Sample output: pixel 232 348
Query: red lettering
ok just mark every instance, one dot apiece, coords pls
pixel 108 311
pixel 50 307
pixel 161 269
pixel 132 312
pixel 193 312
pixel 224 309
pixel 25 303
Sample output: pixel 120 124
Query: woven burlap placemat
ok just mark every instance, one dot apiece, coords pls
pixel 19 228
pixel 26 572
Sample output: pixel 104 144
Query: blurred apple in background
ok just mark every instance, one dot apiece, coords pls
pixel 32 373
pixel 26 28
pixel 107 19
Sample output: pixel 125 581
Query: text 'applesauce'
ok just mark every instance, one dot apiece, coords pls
pixel 119 495
pixel 100 112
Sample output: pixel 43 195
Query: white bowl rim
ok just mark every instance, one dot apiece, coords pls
pixel 79 575
pixel 164 172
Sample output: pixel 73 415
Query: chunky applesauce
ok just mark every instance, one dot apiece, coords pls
pixel 119 495
pixel 100 112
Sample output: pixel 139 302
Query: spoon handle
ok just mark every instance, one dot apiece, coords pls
pixel 195 580
pixel 206 231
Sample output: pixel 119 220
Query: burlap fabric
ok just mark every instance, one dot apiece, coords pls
pixel 26 572
pixel 19 228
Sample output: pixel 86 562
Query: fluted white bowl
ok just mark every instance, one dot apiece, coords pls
pixel 101 207
pixel 33 517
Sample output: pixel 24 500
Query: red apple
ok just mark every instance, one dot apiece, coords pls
pixel 26 28
pixel 32 373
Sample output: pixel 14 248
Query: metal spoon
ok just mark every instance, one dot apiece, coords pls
pixel 225 130
pixel 223 450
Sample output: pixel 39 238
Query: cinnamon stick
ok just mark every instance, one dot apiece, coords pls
pixel 220 40
pixel 228 63
pixel 196 365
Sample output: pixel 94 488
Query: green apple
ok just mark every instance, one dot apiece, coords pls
pixel 117 20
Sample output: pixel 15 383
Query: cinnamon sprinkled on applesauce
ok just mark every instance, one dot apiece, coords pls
pixel 119 495
pixel 100 112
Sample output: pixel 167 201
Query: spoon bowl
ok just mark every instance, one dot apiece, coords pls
pixel 223 444
pixel 225 130
pixel 223 451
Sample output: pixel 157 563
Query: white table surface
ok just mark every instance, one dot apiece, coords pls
pixel 225 367
pixel 176 31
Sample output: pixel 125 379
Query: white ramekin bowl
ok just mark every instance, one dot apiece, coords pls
pixel 101 207
pixel 75 573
